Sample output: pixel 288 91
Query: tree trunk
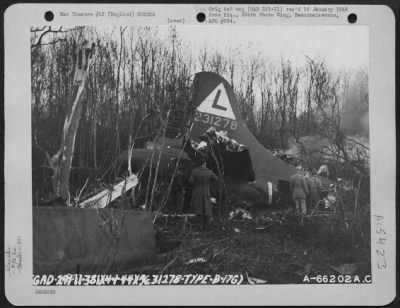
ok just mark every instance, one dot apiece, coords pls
pixel 65 155
pixel 68 144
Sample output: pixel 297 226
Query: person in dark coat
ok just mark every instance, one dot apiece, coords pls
pixel 314 191
pixel 201 178
pixel 299 189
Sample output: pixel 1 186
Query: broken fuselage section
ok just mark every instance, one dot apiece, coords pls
pixel 251 173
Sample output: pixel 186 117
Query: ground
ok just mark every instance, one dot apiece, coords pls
pixel 273 246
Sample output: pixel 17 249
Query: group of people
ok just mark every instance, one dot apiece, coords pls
pixel 306 189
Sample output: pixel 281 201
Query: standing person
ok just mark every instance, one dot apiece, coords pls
pixel 201 203
pixel 299 189
pixel 314 188
pixel 317 191
pixel 310 188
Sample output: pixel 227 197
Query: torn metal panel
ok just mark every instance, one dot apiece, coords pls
pixel 73 240
pixel 105 197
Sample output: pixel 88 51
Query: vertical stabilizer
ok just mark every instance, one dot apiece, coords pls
pixel 217 106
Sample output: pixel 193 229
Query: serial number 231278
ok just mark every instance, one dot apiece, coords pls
pixel 213 120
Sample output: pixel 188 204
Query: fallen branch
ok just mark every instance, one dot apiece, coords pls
pixel 78 196
pixel 219 252
pixel 168 265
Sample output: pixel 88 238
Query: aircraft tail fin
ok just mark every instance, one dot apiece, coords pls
pixel 216 106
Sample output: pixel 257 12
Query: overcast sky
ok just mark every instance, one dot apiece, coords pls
pixel 343 47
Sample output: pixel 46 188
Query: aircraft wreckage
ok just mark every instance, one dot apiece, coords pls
pixel 94 237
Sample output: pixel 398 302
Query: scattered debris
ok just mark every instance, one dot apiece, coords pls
pixel 143 206
pixel 274 218
pixel 222 137
pixel 105 197
pixel 196 260
pixel 328 203
pixel 270 248
pixel 240 214
pixel 262 228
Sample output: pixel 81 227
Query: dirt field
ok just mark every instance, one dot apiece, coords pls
pixel 273 246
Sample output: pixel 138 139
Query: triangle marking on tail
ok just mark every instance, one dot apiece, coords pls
pixel 217 103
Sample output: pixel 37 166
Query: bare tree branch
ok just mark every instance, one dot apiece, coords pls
pixel 50 30
pixel 356 142
pixel 50 43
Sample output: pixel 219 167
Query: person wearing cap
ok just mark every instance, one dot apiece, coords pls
pixel 299 189
pixel 201 178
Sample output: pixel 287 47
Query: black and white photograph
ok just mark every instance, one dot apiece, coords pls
pixel 199 154
pixel 186 150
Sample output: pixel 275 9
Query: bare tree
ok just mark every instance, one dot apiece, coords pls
pixel 217 63
pixel 203 57
pixel 62 160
